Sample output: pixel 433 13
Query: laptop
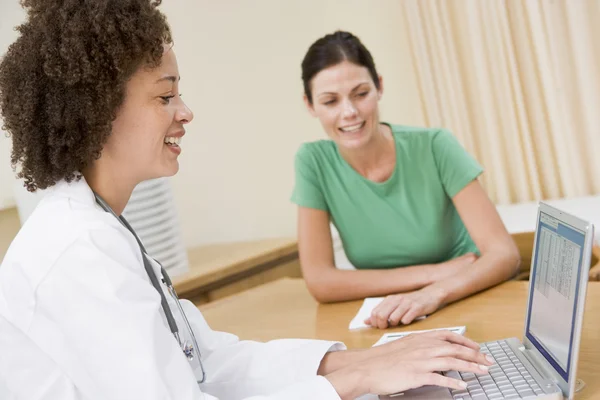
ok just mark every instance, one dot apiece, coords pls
pixel 544 364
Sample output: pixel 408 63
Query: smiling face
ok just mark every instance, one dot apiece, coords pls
pixel 345 99
pixel 145 137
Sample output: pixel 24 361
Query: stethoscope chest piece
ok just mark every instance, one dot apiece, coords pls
pixel 188 350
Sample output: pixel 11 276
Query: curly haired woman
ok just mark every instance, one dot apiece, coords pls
pixel 89 93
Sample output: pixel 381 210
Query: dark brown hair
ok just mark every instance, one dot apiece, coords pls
pixel 63 80
pixel 331 50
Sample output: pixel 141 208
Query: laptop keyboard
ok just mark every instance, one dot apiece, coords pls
pixel 507 379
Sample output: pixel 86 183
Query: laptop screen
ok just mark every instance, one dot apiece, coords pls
pixel 555 282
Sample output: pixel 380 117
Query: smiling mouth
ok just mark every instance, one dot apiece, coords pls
pixel 352 128
pixel 172 141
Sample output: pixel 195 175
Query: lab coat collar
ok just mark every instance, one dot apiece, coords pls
pixel 77 191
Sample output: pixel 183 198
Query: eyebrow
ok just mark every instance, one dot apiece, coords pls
pixel 354 89
pixel 169 78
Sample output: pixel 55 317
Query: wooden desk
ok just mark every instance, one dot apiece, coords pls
pixel 285 309
pixel 221 270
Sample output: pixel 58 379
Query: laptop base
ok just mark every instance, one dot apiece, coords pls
pixel 545 388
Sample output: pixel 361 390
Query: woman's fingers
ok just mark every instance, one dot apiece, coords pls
pixel 379 316
pixel 452 337
pixel 398 313
pixel 416 310
pixel 454 364
pixel 381 313
pixel 459 352
pixel 440 380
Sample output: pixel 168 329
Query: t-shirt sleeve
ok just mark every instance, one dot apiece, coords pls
pixel 456 167
pixel 307 189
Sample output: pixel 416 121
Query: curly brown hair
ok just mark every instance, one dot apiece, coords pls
pixel 63 80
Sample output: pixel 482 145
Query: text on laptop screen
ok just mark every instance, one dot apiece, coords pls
pixel 553 300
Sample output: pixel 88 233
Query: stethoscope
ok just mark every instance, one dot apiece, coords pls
pixel 190 350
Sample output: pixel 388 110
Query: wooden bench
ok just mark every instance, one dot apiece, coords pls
pixel 216 270
pixel 220 270
pixel 9 226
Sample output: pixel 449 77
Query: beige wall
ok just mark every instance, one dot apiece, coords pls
pixel 11 14
pixel 240 66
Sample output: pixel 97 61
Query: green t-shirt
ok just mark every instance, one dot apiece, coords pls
pixel 407 220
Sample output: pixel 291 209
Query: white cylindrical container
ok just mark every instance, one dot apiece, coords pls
pixel 151 212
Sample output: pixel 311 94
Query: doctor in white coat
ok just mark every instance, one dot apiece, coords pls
pixel 90 96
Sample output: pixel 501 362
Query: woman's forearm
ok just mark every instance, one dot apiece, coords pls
pixel 490 269
pixel 333 285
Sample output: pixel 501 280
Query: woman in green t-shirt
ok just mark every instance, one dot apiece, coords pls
pixel 399 197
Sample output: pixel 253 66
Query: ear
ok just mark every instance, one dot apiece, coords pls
pixel 380 90
pixel 309 106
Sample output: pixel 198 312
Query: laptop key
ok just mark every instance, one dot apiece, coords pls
pixel 452 374
pixel 525 393
pixel 481 396
pixel 456 393
pixel 473 392
pixel 521 387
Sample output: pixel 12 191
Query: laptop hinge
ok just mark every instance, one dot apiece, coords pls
pixel 538 366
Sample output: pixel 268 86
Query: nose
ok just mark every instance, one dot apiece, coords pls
pixel 348 111
pixel 184 114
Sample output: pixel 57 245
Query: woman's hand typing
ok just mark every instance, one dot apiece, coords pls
pixel 410 363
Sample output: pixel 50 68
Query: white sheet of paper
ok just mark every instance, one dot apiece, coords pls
pixel 365 312
pixel 389 337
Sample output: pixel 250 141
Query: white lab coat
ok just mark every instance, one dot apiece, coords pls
pixel 79 319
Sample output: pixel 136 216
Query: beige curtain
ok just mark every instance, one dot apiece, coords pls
pixel 518 82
